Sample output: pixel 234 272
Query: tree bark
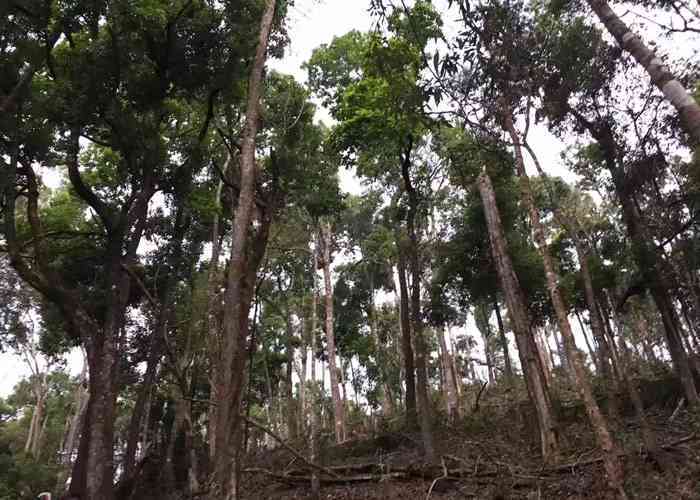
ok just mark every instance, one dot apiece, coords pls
pixel 504 341
pixel 591 350
pixel 74 426
pixel 648 260
pixel 212 326
pixel 624 361
pixel 289 383
pixel 315 423
pixel 661 76
pixel 612 463
pixel 230 372
pixel 451 398
pixel 338 409
pixel 517 310
pixel 406 344
pixel 422 384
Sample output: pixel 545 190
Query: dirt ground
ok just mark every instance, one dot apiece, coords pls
pixel 490 454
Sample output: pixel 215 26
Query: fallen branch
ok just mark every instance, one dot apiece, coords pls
pixel 677 410
pixel 574 465
pixel 374 472
pixel 287 447
pixel 478 397
pixel 444 475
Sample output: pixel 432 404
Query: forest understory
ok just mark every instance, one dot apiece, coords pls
pixel 493 453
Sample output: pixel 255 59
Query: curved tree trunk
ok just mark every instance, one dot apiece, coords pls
pixel 661 76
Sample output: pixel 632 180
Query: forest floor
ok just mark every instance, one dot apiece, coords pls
pixel 492 453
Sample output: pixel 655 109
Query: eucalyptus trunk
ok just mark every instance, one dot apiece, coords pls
pixel 338 407
pixel 611 460
pixel 533 372
pixel 661 76
pixel 650 263
pixel 230 372
pixel 421 345
pixel 406 343
pixel 508 366
pixel 450 390
pixel 315 421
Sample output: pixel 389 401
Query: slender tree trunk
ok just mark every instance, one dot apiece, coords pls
pixel 591 350
pixel 315 424
pixel 232 368
pixel 74 427
pixel 456 376
pixel 212 325
pixel 406 344
pixel 561 350
pixel 302 380
pixel 289 383
pixel 627 371
pixel 338 410
pixel 605 363
pixel 422 384
pixel 386 399
pixel 650 263
pixel 485 337
pixel 661 76
pixel 517 310
pixel 504 341
pixel 544 356
pixel 451 397
pixel 612 463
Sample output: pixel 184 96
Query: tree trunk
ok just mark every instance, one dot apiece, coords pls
pixel 422 384
pixel 338 410
pixel 230 372
pixel 646 256
pixel 591 350
pixel 451 397
pixel 517 310
pixel 661 76
pixel 406 344
pixel 288 382
pixel 302 379
pixel 612 463
pixel 504 341
pixel 212 326
pixel 74 427
pixel 456 376
pixel 485 337
pixel 315 424
pixel 627 369
pixel 604 361
pixel 545 357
